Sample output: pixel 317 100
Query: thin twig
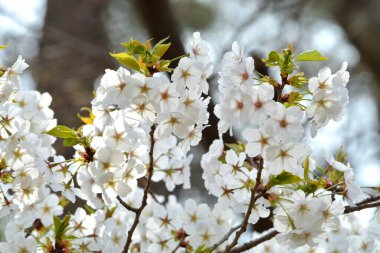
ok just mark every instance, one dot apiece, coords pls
pixel 181 235
pixel 123 203
pixel 178 245
pixel 146 191
pixel 225 238
pixel 252 201
pixel 254 243
pixel 154 197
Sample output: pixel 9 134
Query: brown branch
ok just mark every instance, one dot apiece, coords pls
pixel 254 243
pixel 123 203
pixel 252 201
pixel 180 243
pixel 350 209
pixel 369 200
pixel 177 247
pixel 280 88
pixel 146 191
pixel 225 238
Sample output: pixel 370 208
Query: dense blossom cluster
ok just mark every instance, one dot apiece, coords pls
pixel 141 128
pixel 350 236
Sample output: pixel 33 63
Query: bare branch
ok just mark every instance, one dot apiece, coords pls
pixel 369 200
pixel 177 247
pixel 350 209
pixel 146 191
pixel 130 208
pixel 252 201
pixel 225 238
pixel 254 243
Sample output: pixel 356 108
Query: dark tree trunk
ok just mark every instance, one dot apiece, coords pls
pixel 360 20
pixel 73 53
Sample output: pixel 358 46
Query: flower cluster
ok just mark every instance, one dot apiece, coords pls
pixel 350 236
pixel 273 170
pixel 139 131
pixel 24 197
pixel 330 95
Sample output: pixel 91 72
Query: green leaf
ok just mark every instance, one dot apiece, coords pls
pixel 163 66
pixel 3 46
pixel 311 186
pixel 89 210
pixel 161 49
pixel 62 132
pixel 202 249
pixel 283 178
pixel 69 142
pixel 273 56
pixel 293 96
pixel 307 168
pixel 61 226
pixel 336 176
pixel 274 59
pixel 161 42
pixel 341 156
pixel 237 147
pixel 132 44
pixel 70 237
pixel 110 212
pixel 311 55
pixel 127 60
pixel 57 224
pixel 139 50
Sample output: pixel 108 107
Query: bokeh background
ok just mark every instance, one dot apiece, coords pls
pixel 67 42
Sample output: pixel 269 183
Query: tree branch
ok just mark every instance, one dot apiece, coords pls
pixel 146 191
pixel 123 203
pixel 252 201
pixel 225 238
pixel 254 243
pixel 350 209
pixel 369 200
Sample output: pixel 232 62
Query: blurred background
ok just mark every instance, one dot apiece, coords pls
pixel 66 42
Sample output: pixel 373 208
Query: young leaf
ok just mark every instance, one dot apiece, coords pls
pixel 202 249
pixel 273 56
pixel 89 119
pixel 161 49
pixel 62 132
pixel 237 147
pixel 60 227
pixel 132 44
pixel 89 210
pixel 307 168
pixel 57 224
pixel 274 59
pixel 283 178
pixel 69 142
pixel 127 60
pixel 161 42
pixel 311 55
pixel 110 212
